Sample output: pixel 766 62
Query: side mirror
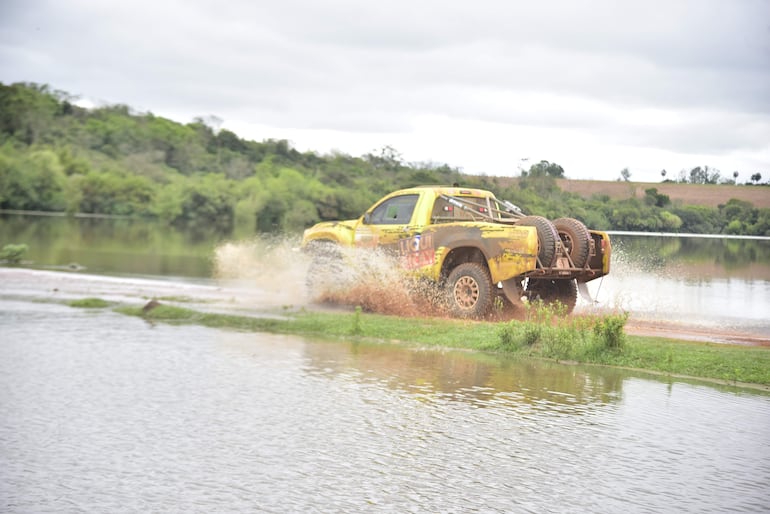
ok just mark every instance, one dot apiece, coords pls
pixel 367 218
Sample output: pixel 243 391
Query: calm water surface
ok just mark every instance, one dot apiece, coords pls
pixel 101 412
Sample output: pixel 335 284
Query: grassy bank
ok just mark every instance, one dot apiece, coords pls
pixel 544 334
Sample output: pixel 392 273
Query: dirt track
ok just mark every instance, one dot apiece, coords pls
pixel 696 194
pixel 692 333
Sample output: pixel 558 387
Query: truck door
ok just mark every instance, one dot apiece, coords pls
pixel 388 222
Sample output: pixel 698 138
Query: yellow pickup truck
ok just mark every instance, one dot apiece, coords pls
pixel 475 247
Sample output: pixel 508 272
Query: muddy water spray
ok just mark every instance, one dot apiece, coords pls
pixel 285 275
pixel 282 275
pixel 274 266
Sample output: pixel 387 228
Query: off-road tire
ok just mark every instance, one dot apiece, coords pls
pixel 575 238
pixel 547 236
pixel 469 291
pixel 551 291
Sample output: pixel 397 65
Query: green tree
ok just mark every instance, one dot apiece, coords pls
pixel 625 174
pixel 113 160
pixel 208 202
pixel 27 111
pixel 670 222
pixel 546 169
pixel 698 219
pixel 114 193
pixel 31 181
pixel 652 197
pixel 704 175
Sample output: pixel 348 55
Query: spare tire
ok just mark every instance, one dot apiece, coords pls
pixel 546 238
pixel 575 238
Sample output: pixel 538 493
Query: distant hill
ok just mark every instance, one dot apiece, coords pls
pixel 112 161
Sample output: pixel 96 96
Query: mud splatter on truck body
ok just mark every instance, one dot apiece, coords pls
pixel 474 246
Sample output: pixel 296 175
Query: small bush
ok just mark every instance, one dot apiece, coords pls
pixel 560 336
pixel 533 331
pixel 511 337
pixel 12 253
pixel 507 337
pixel 609 331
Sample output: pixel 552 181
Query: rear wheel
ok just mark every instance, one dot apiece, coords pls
pixel 469 291
pixel 575 238
pixel 551 292
pixel 546 238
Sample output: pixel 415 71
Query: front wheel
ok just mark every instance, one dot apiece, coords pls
pixel 469 291
pixel 551 291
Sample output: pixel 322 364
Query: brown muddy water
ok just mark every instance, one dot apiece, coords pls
pixel 101 412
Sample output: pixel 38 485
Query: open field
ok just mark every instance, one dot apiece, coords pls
pixel 710 195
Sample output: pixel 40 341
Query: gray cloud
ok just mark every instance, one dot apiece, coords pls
pixel 373 67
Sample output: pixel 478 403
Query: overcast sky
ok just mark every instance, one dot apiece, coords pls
pixel 486 85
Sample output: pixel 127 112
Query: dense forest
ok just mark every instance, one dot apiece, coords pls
pixel 110 160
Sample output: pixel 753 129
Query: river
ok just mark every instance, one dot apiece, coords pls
pixel 104 413
pixel 101 412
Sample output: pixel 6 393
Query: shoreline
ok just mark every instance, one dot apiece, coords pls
pixel 659 347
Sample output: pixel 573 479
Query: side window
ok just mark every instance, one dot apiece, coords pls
pixel 396 211
pixel 475 209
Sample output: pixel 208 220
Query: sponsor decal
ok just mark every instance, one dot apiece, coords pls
pixel 417 251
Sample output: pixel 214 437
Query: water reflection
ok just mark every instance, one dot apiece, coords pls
pixel 117 246
pixel 469 377
pixel 703 258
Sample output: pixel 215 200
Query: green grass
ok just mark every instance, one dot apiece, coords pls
pixel 544 334
pixel 730 363
pixel 89 303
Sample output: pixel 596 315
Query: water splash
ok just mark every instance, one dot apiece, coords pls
pixel 374 280
pixel 282 274
pixel 273 267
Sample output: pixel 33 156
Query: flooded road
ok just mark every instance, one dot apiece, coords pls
pixel 101 412
pixel 717 288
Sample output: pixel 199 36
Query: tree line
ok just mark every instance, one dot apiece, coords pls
pixel 111 160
